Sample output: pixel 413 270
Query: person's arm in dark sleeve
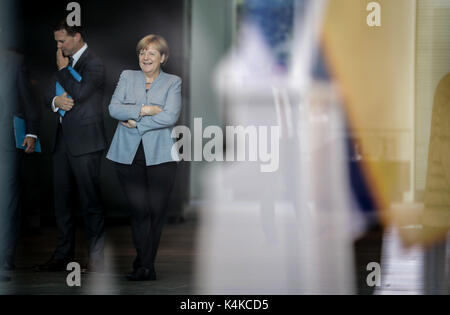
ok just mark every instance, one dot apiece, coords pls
pixel 29 103
pixel 93 78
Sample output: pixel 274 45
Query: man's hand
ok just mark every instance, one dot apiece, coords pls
pixel 30 142
pixel 61 61
pixel 64 102
pixel 150 110
pixel 129 123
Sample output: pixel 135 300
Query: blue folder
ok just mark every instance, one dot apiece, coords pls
pixel 20 133
pixel 60 90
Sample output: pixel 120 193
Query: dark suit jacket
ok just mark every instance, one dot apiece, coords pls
pixel 16 98
pixel 83 125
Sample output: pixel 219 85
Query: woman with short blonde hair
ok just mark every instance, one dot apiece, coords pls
pixel 147 104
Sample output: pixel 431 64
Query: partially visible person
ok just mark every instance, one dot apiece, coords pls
pixel 16 99
pixel 147 104
pixel 436 218
pixel 78 143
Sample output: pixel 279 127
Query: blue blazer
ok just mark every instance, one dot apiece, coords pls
pixel 154 131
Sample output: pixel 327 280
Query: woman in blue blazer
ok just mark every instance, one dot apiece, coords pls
pixel 147 104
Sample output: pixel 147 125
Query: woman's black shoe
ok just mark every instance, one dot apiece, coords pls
pixel 141 274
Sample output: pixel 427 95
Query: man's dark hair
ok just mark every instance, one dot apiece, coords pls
pixel 71 30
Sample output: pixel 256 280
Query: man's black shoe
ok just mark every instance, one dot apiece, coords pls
pixel 91 268
pixel 53 265
pixel 141 274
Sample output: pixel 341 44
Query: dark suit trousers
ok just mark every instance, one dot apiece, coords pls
pixel 10 189
pixel 85 170
pixel 147 190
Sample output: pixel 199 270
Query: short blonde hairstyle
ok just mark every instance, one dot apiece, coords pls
pixel 158 41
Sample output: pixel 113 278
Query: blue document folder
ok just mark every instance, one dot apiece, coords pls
pixel 60 90
pixel 20 133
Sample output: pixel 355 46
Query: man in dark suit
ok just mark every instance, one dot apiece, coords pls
pixel 77 146
pixel 16 99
